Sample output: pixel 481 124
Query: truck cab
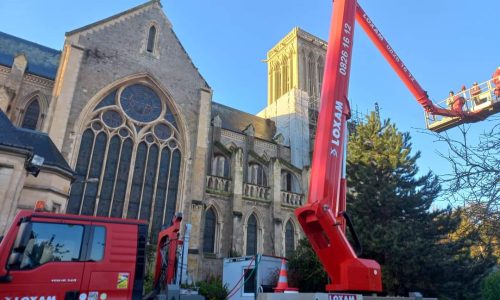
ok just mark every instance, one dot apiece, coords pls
pixel 60 256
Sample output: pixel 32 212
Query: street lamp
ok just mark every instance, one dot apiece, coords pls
pixel 33 164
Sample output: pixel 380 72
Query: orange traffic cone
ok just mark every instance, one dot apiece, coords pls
pixel 282 286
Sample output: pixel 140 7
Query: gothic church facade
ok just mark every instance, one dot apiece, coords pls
pixel 141 138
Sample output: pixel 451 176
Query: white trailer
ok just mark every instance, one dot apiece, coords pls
pixel 248 274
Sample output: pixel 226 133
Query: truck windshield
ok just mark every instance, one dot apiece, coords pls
pixel 51 243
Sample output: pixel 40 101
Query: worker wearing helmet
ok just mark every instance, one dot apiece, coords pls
pixel 455 102
pixel 475 90
pixel 450 99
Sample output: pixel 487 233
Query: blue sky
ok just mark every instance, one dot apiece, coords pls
pixel 444 43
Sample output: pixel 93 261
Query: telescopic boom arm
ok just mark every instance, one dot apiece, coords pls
pixel 405 75
pixel 322 218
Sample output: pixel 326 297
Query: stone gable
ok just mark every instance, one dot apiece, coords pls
pixel 114 51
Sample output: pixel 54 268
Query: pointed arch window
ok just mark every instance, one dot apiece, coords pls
pixel 277 81
pixel 251 248
pixel 209 231
pixel 285 76
pixel 151 39
pixel 129 160
pixel 257 174
pixel 289 239
pixel 321 69
pixel 289 182
pixel 311 88
pixel 286 181
pixel 220 166
pixel 31 115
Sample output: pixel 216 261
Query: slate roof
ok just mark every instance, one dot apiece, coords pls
pixel 42 61
pixel 8 134
pixel 42 145
pixel 237 121
pixel 33 141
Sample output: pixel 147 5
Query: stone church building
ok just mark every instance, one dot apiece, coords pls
pixel 127 128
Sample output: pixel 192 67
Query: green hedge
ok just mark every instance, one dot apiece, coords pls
pixel 490 287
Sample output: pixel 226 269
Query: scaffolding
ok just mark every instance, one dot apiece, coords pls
pixel 357 118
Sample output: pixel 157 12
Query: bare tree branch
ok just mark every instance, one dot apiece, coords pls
pixel 474 179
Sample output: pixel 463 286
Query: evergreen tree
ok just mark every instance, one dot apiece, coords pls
pixel 391 208
pixel 305 269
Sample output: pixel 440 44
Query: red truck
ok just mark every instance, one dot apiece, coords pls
pixel 46 256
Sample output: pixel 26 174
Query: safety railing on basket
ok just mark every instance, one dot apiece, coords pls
pixel 476 97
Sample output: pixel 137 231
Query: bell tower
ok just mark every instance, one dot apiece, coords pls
pixel 295 62
pixel 294 77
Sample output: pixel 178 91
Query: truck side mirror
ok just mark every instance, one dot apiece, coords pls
pixel 23 236
pixel 15 258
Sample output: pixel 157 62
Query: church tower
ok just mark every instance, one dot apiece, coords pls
pixel 295 74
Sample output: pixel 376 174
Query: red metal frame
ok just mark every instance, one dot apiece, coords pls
pixel 168 238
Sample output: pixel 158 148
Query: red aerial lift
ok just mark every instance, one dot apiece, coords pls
pixel 324 217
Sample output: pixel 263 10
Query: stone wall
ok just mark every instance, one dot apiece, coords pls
pixel 12 177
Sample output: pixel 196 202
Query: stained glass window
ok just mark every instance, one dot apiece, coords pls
pixel 108 100
pixel 109 176
pixel 112 118
pixel 251 236
pixel 123 132
pixel 149 181
pixel 137 181
pixel 169 116
pixel 89 198
pixel 122 179
pixel 81 168
pixel 209 231
pixel 289 239
pixel 172 186
pixel 162 131
pixel 129 160
pixel 140 103
pixel 161 192
pixel 31 115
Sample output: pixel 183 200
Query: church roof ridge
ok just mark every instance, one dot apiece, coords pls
pixel 113 17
